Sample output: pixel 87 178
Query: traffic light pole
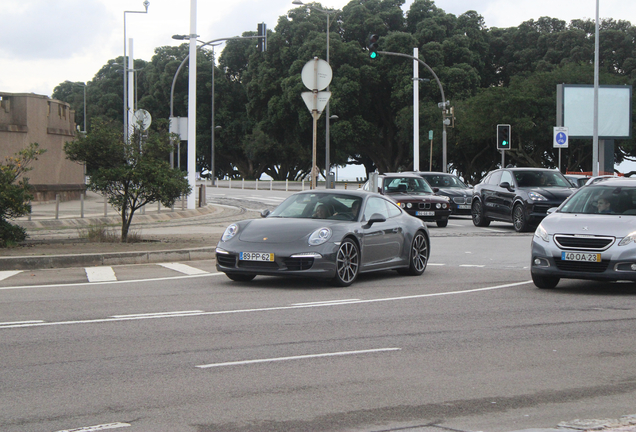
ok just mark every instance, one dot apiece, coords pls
pixel 443 104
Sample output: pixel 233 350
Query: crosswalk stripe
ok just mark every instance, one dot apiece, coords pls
pixel 183 268
pixel 100 274
pixel 8 273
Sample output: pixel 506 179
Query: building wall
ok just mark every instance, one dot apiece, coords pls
pixel 27 118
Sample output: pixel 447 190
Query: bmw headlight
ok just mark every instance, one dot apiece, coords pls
pixel 536 196
pixel 438 206
pixel 409 205
pixel 629 238
pixel 230 232
pixel 542 233
pixel 319 236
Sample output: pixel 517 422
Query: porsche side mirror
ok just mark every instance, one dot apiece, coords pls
pixel 506 185
pixel 375 218
pixel 265 213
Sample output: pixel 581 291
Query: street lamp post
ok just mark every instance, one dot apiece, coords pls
pixel 327 120
pixel 441 105
pixel 84 86
pixel 146 4
pixel 176 74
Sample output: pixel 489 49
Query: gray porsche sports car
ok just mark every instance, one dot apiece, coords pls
pixel 327 234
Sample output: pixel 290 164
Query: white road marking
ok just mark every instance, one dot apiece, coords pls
pixel 8 273
pixel 495 230
pixel 267 309
pixel 100 274
pixel 183 268
pixel 472 265
pixel 158 314
pixel 300 357
pixel 436 264
pixel 21 322
pixel 117 282
pixel 325 302
pixel 97 427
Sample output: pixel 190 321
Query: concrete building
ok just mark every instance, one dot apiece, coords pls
pixel 27 118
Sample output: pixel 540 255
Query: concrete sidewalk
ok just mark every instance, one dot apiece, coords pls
pixel 166 235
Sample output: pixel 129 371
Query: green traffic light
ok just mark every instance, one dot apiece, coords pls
pixel 373 54
pixel 504 143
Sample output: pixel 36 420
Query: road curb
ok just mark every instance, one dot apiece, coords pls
pixel 105 259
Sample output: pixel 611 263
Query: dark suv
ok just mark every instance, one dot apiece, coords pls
pixel 518 195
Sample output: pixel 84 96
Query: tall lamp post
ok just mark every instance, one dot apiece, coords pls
pixel 84 86
pixel 146 4
pixel 327 119
pixel 176 74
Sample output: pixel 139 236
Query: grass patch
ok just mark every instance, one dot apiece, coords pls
pixel 104 234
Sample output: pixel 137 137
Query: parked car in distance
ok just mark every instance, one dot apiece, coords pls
pixel 460 195
pixel 591 236
pixel 332 235
pixel 518 195
pixel 413 195
pixel 577 180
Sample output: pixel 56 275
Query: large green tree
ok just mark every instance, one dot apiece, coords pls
pixel 490 75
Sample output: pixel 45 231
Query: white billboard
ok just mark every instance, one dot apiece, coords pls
pixel 614 111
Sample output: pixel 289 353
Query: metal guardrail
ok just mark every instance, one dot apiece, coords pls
pixel 96 205
pixel 279 185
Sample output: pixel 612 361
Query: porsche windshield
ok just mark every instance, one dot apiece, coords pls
pixel 542 179
pixel 319 206
pixel 602 200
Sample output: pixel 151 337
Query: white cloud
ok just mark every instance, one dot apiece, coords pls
pixel 44 42
pixel 51 29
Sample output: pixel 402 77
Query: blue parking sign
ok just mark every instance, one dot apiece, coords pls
pixel 560 137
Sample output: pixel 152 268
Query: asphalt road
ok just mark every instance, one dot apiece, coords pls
pixel 471 345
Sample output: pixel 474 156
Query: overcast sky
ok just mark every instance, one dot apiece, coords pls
pixel 44 42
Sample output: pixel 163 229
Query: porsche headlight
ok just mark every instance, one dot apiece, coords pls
pixel 536 196
pixel 319 236
pixel 629 238
pixel 230 232
pixel 542 233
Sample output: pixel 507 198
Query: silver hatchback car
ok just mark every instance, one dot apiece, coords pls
pixel 592 235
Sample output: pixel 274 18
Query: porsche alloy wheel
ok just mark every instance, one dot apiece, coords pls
pixel 419 255
pixel 347 263
pixel 519 219
pixel 478 215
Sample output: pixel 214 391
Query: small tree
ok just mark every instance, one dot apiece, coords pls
pixel 15 195
pixel 131 174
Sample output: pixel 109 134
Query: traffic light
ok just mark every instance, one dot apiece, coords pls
pixel 373 45
pixel 503 137
pixel 262 40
